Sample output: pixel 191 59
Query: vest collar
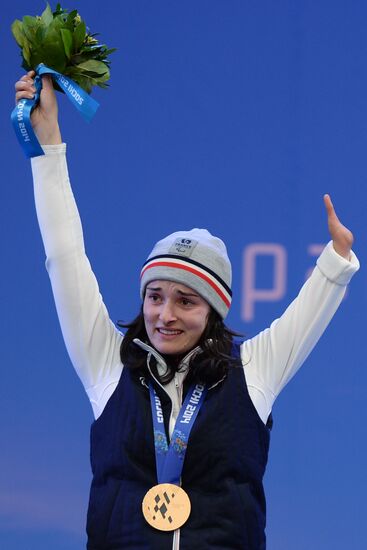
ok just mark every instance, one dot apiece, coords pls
pixel 162 366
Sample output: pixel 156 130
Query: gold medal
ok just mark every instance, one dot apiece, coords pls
pixel 166 507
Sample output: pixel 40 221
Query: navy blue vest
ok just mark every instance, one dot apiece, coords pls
pixel 223 470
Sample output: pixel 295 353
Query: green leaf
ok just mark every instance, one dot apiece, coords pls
pixel 17 30
pixel 30 25
pixel 27 55
pixel 51 50
pixel 29 21
pixel 58 22
pixel 52 56
pixel 67 39
pixel 79 35
pixel 93 66
pixel 70 19
pixel 40 34
pixel 106 76
pixel 47 15
pixel 108 52
pixel 84 81
pixel 53 39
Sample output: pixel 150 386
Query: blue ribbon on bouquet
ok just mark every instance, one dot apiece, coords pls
pixel 21 115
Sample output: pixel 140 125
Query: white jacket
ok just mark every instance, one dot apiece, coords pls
pixel 270 359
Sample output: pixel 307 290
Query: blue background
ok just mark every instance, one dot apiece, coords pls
pixel 232 115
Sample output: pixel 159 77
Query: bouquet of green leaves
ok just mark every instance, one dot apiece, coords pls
pixel 62 41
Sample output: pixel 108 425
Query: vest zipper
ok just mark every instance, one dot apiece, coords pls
pixel 176 540
pixel 176 533
pixel 179 387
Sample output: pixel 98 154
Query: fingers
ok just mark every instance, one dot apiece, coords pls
pixel 342 237
pixel 27 78
pixel 329 206
pixel 327 202
pixel 24 87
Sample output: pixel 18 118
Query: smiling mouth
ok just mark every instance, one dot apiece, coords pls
pixel 169 332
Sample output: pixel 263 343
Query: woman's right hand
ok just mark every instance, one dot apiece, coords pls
pixel 44 117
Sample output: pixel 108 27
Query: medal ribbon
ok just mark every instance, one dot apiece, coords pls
pixel 21 115
pixel 170 459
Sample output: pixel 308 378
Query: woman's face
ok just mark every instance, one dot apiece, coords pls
pixel 175 316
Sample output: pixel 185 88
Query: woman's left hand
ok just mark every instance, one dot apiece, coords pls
pixel 341 236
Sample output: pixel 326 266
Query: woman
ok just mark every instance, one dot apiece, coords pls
pixel 178 348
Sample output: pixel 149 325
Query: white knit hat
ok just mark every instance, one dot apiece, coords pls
pixel 196 259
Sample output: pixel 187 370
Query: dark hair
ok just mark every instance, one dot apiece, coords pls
pixel 209 366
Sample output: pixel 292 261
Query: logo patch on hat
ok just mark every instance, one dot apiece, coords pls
pixel 183 247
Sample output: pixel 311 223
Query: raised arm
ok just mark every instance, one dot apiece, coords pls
pixel 92 341
pixel 273 357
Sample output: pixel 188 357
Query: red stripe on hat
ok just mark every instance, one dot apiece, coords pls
pixel 191 270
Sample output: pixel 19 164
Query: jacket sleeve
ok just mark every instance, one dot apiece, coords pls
pixel 91 338
pixel 272 357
